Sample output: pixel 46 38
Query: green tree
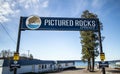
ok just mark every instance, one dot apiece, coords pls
pixel 6 54
pixel 31 56
pixel 89 41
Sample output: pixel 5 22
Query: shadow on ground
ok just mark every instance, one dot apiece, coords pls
pixel 58 71
pixel 114 71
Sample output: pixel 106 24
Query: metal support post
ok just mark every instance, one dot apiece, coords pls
pixel 100 44
pixel 18 42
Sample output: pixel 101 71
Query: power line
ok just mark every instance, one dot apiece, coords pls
pixel 5 24
pixel 8 33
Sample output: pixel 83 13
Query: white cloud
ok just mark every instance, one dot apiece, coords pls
pixel 45 4
pixel 79 7
pixel 13 4
pixel 37 7
pixel 95 3
pixel 26 6
pixel 21 1
pixel 6 9
pixel 3 19
pixel 17 11
pixel 98 3
pixel 9 10
pixel 13 9
pixel 34 1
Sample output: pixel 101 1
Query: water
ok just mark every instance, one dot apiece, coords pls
pixel 84 64
pixel 34 26
pixel 80 64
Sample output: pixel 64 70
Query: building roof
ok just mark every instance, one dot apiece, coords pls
pixel 23 62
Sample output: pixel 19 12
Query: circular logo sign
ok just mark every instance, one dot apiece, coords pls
pixel 15 62
pixel 33 22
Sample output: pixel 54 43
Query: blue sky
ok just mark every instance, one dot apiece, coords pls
pixel 58 45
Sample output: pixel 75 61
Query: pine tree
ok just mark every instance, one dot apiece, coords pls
pixel 89 41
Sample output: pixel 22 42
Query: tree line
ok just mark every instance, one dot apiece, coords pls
pixel 9 54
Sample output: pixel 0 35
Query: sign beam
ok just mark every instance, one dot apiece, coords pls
pixel 58 23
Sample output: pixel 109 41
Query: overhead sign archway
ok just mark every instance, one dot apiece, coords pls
pixel 58 23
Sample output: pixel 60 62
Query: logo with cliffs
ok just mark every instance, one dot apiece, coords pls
pixel 33 22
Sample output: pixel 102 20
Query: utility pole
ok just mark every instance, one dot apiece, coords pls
pixel 28 53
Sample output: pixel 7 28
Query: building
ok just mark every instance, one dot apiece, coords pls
pixel 65 64
pixel 34 65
